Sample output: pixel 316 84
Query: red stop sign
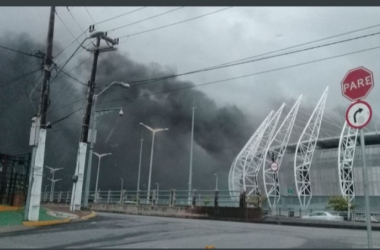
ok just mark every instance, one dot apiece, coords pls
pixel 357 84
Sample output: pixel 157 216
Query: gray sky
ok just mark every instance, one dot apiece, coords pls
pixel 225 36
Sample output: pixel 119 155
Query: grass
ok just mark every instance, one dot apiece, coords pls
pixel 11 218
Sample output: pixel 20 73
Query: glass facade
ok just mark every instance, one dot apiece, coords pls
pixel 325 179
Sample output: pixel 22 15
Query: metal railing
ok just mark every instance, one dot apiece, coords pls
pixel 212 198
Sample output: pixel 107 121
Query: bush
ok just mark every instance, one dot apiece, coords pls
pixel 339 203
pixel 207 201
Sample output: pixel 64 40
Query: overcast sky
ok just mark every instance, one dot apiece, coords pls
pixel 228 35
pixel 225 36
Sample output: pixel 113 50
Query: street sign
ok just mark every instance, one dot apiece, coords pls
pixel 290 191
pixel 274 166
pixel 358 114
pixel 357 84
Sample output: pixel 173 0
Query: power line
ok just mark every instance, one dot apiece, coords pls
pixel 67 74
pixel 8 83
pixel 248 75
pixel 109 19
pixel 37 54
pixel 65 117
pixel 147 81
pixel 302 44
pixel 75 39
pixel 123 26
pixel 89 15
pixel 229 79
pixel 165 26
pixel 67 105
pixel 80 27
pixel 56 56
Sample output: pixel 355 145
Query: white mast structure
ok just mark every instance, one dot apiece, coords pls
pixel 346 153
pixel 274 153
pixel 246 166
pixel 305 151
pixel 237 175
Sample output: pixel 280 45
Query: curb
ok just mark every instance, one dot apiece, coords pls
pixel 45 223
pixel 91 215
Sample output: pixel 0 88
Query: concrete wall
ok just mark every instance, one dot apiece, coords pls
pixel 229 213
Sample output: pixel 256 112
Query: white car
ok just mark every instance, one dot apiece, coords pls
pixel 321 215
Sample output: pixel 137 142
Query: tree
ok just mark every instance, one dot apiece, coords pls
pixel 339 203
pixel 206 201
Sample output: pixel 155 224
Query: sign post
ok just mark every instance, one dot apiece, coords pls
pixel 356 85
pixel 274 167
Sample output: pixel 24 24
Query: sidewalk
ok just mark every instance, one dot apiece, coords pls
pixel 292 221
pixel 12 218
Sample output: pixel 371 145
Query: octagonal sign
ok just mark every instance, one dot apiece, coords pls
pixel 357 84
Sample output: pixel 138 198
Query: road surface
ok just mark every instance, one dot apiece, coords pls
pixel 132 231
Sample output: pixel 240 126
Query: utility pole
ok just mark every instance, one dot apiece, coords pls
pixel 38 133
pixel 82 151
pixel 191 156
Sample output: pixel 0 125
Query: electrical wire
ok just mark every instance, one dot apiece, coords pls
pixel 147 81
pixel 172 24
pixel 22 52
pixel 65 117
pixel 232 78
pixel 123 26
pixel 89 15
pixel 80 27
pixel 75 39
pixel 247 75
pixel 8 83
pixel 109 19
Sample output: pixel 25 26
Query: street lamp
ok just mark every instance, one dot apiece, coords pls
pixel 45 192
pixel 154 131
pixel 52 171
pixel 121 191
pixel 216 187
pixel 97 177
pixel 94 115
pixel 52 187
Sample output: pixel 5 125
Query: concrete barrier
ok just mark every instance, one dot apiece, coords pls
pixel 226 213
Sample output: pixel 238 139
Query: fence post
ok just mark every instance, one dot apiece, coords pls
pixel 67 196
pixel 194 203
pixel 216 198
pixel 174 198
pixel 243 201
pixel 59 197
pixel 154 197
pixel 171 198
pixel 108 197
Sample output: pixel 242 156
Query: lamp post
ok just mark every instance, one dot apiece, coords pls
pixel 52 171
pixel 97 177
pixel 216 186
pixel 94 115
pixel 138 178
pixel 45 191
pixel 154 131
pixel 52 187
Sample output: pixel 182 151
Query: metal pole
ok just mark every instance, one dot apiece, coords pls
pixel 138 178
pixel 191 154
pixel 216 184
pixel 121 191
pixel 158 187
pixel 97 179
pixel 90 154
pixel 150 167
pixel 365 182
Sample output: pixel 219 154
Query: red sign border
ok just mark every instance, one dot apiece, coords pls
pixel 370 114
pixel 278 167
pixel 342 82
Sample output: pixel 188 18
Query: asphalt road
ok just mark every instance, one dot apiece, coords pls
pixel 132 231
